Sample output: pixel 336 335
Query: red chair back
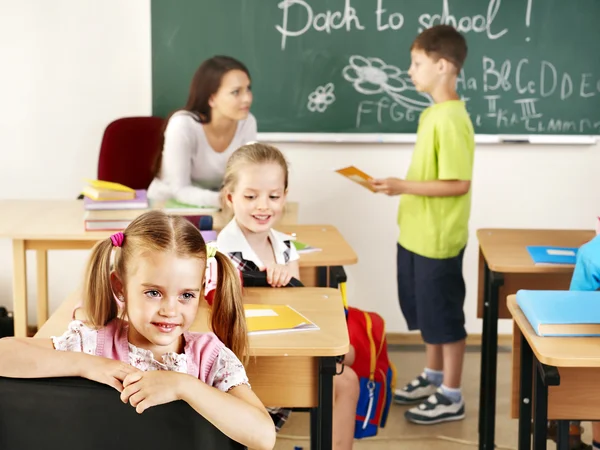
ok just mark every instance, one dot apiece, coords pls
pixel 129 149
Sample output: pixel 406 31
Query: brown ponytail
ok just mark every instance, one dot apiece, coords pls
pixel 99 304
pixel 228 318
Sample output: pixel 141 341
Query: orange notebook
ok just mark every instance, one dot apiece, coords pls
pixel 263 319
pixel 356 175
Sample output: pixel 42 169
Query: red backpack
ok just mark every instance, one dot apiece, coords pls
pixel 376 373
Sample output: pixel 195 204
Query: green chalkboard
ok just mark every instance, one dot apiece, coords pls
pixel 339 66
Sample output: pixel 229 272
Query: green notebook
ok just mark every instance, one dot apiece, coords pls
pixel 301 247
pixel 175 207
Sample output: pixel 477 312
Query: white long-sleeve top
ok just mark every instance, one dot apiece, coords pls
pixel 191 171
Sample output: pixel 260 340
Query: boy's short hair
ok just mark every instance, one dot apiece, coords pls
pixel 442 41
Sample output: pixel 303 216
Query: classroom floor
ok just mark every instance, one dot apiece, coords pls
pixel 401 435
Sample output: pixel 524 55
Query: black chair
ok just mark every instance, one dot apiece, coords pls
pixel 74 413
pixel 7 324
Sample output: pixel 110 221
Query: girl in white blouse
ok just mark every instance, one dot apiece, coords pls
pixel 199 138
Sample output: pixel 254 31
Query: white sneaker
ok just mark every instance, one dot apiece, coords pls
pixel 436 409
pixel 416 391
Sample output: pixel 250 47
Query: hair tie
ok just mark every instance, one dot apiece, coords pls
pixel 117 239
pixel 211 273
pixel 211 250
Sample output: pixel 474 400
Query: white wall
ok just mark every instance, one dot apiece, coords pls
pixel 68 69
pixel 72 67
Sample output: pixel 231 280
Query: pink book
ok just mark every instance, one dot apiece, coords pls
pixel 139 202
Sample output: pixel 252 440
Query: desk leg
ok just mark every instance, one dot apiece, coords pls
pixel 489 360
pixel 42 287
pixel 543 377
pixel 322 276
pixel 525 395
pixel 314 429
pixel 540 411
pixel 562 441
pixel 20 287
pixel 484 353
pixel 321 418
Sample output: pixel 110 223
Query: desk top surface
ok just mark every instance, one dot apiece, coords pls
pixel 505 249
pixel 557 351
pixel 323 306
pixel 62 220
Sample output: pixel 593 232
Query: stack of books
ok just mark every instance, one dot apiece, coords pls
pixel 111 206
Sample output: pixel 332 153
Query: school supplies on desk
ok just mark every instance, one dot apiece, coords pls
pixel 357 175
pixel 263 319
pixel 561 313
pixel 106 225
pixel 552 255
pixel 139 202
pixel 113 215
pixel 172 206
pixel 99 190
pixel 301 248
pixel 108 185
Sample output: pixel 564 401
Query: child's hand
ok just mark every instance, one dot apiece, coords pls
pixel 278 275
pixel 106 371
pixel 146 389
pixel 388 186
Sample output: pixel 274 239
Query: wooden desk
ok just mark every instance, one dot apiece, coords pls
pixel 564 373
pixel 335 251
pixel 291 369
pixel 505 267
pixel 58 225
pixel 60 218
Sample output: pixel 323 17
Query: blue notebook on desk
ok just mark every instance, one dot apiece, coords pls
pixel 561 313
pixel 552 255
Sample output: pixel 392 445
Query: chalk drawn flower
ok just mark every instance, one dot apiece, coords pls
pixel 371 76
pixel 321 98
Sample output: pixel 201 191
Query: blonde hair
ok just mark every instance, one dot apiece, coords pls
pixel 255 153
pixel 157 231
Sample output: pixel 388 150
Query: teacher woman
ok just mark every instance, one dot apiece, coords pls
pixel 199 138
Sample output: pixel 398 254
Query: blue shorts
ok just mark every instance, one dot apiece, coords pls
pixel 432 295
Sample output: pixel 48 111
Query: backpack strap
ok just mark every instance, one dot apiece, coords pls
pixel 372 349
pixel 372 366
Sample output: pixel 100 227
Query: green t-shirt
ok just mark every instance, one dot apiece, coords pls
pixel 437 227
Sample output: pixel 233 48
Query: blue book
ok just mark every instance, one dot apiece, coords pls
pixel 561 313
pixel 552 255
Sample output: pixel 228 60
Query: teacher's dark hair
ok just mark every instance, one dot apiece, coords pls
pixel 205 83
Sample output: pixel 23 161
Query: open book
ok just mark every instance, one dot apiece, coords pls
pixel 263 319
pixel 301 248
pixel 357 175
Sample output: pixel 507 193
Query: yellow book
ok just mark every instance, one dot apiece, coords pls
pixel 263 319
pixel 357 175
pixel 107 194
pixel 109 186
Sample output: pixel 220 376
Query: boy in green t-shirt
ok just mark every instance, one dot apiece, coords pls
pixel 433 220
